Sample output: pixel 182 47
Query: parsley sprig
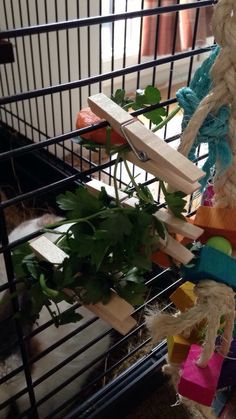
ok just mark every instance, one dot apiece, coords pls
pixel 109 246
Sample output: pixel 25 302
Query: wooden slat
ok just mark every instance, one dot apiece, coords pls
pixel 117 312
pixel 176 225
pixel 122 326
pixel 46 250
pixel 176 250
pixel 106 109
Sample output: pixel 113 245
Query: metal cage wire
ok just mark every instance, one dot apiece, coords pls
pixel 59 62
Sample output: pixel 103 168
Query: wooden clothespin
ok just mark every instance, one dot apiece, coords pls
pixel 117 312
pixel 148 151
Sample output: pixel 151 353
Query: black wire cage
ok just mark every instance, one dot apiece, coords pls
pixel 53 55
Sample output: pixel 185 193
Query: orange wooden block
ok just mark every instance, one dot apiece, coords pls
pixel 178 348
pixel 217 222
pixel 184 297
pixel 161 259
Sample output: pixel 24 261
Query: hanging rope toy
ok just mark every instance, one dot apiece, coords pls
pixel 209 116
pixel 214 129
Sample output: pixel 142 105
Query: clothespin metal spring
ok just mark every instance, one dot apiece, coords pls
pixel 141 155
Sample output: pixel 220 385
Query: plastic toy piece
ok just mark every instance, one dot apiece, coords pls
pixel 176 225
pixel 117 312
pixel 178 348
pixel 212 264
pixel 145 144
pixel 217 222
pixel 200 384
pixel 221 244
pixel 184 297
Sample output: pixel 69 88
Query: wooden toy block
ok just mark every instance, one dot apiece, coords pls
pixel 212 264
pixel 228 370
pixel 178 348
pixel 143 140
pixel 117 312
pixel 217 222
pixel 184 297
pixel 200 384
pixel 176 225
pixel 161 259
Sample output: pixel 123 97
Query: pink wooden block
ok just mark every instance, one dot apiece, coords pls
pixel 199 384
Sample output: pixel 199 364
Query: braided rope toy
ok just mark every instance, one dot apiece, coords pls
pixel 214 130
pixel 223 74
pixel 215 116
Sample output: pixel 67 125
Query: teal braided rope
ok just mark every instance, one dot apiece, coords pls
pixel 214 130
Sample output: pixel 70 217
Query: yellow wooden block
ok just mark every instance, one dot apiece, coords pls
pixel 178 348
pixel 184 297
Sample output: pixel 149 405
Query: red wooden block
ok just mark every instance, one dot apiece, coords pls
pixel 200 384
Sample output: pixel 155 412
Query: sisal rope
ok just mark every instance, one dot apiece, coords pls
pixel 223 92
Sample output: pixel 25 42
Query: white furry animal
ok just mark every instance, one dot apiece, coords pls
pixel 42 341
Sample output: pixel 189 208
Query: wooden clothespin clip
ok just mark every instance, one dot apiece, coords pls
pixel 117 312
pixel 148 151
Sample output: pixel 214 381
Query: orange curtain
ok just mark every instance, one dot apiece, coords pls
pixel 159 30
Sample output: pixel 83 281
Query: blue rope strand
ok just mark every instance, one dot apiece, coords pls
pixel 214 130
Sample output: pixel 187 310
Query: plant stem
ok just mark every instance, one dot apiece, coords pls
pixel 140 194
pixel 115 181
pixel 128 105
pixel 167 119
pixel 89 217
pixel 133 181
pixel 163 188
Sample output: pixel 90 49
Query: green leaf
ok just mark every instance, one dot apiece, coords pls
pixel 149 96
pixel 133 292
pixel 104 198
pixel 145 194
pixel 94 289
pixel 119 97
pixel 152 95
pixel 160 227
pixel 82 245
pixel 70 268
pixel 100 249
pixel 79 204
pixel 18 255
pixel 175 201
pixel 117 225
pixel 38 300
pixel 32 265
pixel 69 316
